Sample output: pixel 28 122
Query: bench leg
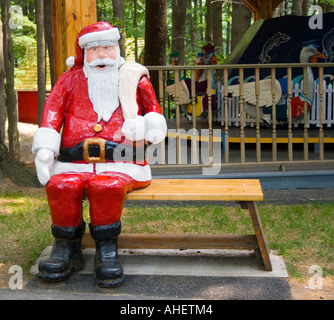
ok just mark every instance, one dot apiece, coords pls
pixel 251 205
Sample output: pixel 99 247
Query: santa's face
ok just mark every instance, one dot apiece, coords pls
pixel 100 53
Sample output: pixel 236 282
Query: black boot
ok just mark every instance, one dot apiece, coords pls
pixel 66 255
pixel 108 270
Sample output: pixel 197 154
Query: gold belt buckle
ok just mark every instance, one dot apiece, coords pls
pixel 94 142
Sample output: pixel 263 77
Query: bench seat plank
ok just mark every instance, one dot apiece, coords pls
pixel 200 190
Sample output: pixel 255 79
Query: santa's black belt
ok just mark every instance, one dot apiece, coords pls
pixel 97 150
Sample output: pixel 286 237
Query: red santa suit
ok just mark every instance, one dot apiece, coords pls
pixel 68 121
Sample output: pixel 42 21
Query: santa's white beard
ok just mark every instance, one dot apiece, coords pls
pixel 103 88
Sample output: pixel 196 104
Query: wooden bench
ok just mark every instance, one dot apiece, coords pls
pixel 246 192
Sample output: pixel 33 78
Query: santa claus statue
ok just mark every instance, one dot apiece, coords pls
pixel 91 143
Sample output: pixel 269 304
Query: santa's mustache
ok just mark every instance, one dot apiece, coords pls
pixel 101 62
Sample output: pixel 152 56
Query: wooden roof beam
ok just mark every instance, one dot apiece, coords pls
pixel 262 9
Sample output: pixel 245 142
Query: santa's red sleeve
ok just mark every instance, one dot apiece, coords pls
pixel 48 134
pixel 155 122
pixel 146 97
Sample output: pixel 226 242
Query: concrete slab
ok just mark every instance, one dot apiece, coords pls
pixel 169 275
pixel 208 263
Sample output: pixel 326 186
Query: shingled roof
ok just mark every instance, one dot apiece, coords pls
pixel 27 79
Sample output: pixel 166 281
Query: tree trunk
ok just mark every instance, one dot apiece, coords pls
pixel 40 57
pixel 49 37
pixel 11 103
pixel 217 26
pixel 155 37
pixel 135 26
pixel 326 7
pixel 193 22
pixel 2 91
pixel 201 21
pixel 208 35
pixel 297 7
pixel 285 6
pixel 118 13
pixel 241 17
pixel 12 169
pixel 305 7
pixel 228 32
pixel 178 28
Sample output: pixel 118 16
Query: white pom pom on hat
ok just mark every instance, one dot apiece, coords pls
pixel 70 61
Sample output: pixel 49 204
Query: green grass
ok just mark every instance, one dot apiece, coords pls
pixel 24 228
pixel 302 234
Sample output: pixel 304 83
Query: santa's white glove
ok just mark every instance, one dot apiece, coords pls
pixel 152 127
pixel 134 129
pixel 156 127
pixel 44 162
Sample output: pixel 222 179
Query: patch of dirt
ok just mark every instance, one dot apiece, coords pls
pixel 5 277
pixel 302 291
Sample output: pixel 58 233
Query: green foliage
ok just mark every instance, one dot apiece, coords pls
pixel 28 28
pixel 28 8
pixel 133 31
pixel 105 13
pixel 331 2
pixel 25 37
pixel 24 40
pixel 24 46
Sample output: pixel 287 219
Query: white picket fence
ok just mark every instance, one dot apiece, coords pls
pixel 313 115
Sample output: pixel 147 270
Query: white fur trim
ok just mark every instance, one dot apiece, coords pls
pixel 136 172
pixel 70 61
pixel 46 138
pixel 111 34
pixel 68 167
pixel 129 76
pixel 156 127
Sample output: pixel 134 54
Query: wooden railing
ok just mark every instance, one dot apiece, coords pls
pixel 218 129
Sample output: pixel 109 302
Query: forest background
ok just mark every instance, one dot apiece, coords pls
pixel 165 26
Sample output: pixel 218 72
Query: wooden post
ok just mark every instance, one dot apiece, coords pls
pixel 264 253
pixel 69 17
pixel 262 9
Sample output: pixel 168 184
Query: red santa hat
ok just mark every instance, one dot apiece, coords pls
pixel 100 31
